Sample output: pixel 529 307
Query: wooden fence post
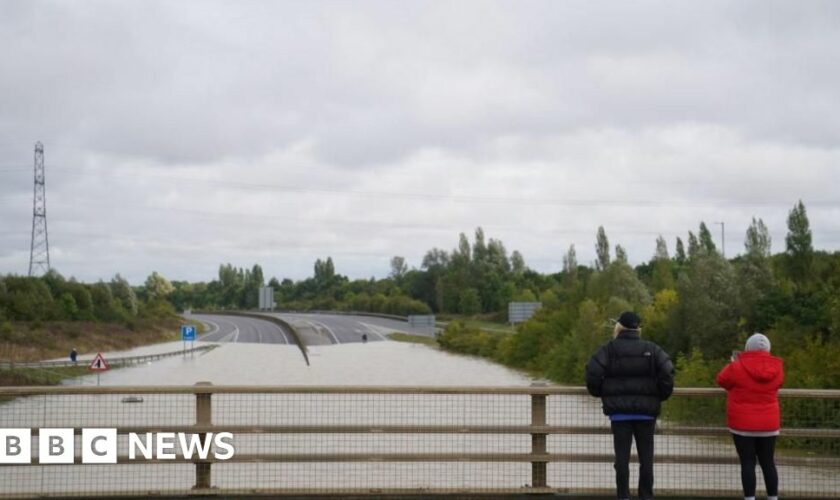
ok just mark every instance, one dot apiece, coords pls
pixel 538 441
pixel 203 416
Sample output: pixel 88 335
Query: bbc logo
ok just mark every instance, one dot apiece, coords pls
pixel 57 446
pixel 99 446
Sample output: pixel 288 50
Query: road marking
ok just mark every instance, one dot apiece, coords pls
pixel 282 333
pixel 234 334
pixel 315 324
pixel 215 327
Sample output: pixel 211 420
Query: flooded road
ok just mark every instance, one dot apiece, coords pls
pixel 383 363
pixel 374 363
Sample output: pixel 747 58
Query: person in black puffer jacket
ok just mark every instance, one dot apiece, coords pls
pixel 632 377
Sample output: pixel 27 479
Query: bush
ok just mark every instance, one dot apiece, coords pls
pixel 695 371
pixel 457 337
pixel 74 332
pixel 7 333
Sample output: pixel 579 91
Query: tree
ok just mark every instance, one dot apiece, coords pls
pixel 708 298
pixel 619 281
pixel 798 247
pixel 68 305
pixel 757 241
pixel 659 317
pixel 324 273
pixel 602 250
pixel 755 281
pixel 497 257
pixel 157 286
pixel 620 254
pixel 662 248
pixel 435 259
pixel 517 262
pixel 693 246
pixel 104 308
pixel 680 252
pixel 28 299
pixel 662 277
pixel 469 302
pixel 479 252
pixel 254 280
pixel 398 268
pixel 463 247
pixel 123 293
pixel 707 244
pixel 570 264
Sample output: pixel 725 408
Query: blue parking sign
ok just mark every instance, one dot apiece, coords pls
pixel 187 332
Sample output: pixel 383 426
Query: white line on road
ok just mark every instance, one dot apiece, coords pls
pixel 315 325
pixel 216 327
pixel 234 334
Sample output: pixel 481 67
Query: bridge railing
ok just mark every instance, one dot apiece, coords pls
pixel 395 440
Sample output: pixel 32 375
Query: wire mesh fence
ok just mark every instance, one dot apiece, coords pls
pixel 379 440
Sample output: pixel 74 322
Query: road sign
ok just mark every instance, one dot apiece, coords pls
pixel 424 321
pixel 187 332
pixel 98 364
pixel 519 312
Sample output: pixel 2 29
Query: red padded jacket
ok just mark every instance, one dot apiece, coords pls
pixel 752 382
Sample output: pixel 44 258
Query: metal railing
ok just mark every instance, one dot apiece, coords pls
pixel 403 441
pixel 112 361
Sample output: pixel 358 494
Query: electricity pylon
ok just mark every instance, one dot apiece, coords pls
pixel 39 253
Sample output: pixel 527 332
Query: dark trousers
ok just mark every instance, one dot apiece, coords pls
pixel 749 448
pixel 623 434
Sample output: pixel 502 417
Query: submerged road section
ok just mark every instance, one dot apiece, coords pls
pixel 321 328
pixel 240 329
pixel 313 329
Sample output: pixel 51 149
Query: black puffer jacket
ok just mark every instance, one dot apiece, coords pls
pixel 630 375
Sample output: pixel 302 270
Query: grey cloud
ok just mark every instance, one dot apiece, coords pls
pixel 716 105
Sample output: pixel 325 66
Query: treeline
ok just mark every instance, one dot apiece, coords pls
pixel 473 278
pixel 694 302
pixel 53 298
pixel 238 288
pixel 697 304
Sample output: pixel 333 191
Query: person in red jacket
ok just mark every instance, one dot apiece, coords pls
pixel 752 382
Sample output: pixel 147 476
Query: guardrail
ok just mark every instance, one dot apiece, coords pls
pixel 422 441
pixel 395 317
pixel 115 361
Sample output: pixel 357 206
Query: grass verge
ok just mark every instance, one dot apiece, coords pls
pixel 36 340
pixel 413 339
pixel 40 376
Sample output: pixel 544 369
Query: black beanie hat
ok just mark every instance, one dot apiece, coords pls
pixel 630 320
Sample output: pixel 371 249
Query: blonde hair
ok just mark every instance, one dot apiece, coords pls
pixel 620 328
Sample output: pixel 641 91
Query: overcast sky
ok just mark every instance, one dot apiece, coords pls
pixel 181 135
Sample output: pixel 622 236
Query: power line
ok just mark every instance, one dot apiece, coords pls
pixel 464 199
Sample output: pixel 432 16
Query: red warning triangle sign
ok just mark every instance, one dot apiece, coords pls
pixel 98 364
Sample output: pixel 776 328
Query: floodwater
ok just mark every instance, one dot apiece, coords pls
pixel 374 363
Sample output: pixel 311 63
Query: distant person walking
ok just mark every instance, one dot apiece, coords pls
pixel 74 354
pixel 632 377
pixel 752 382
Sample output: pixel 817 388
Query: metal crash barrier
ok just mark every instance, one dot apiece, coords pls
pixel 390 441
